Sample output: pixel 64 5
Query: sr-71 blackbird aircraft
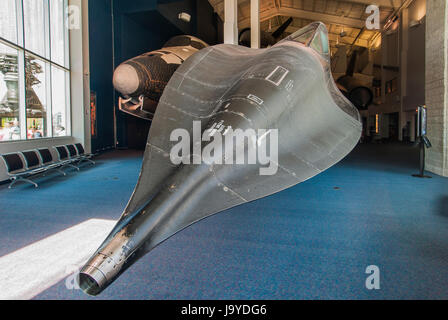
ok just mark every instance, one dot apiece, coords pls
pixel 287 89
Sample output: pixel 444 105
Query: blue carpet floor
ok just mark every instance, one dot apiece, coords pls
pixel 313 241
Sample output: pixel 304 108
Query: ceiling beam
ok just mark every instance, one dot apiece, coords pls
pixel 349 40
pixel 264 15
pixel 395 4
pixel 304 14
pixel 333 37
pixel 326 18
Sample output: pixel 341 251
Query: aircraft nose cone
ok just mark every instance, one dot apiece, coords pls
pixel 126 80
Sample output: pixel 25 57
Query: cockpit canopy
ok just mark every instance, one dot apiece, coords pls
pixel 315 36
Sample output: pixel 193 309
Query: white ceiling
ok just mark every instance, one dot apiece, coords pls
pixel 336 14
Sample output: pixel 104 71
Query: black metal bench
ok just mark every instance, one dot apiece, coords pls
pixel 83 155
pixel 23 165
pixel 77 153
pixel 33 162
pixel 72 155
pixel 47 160
pixel 65 158
pixel 17 169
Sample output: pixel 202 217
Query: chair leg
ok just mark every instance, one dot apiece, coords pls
pixel 31 182
pixel 24 180
pixel 13 182
pixel 73 166
pixel 86 159
pixel 60 171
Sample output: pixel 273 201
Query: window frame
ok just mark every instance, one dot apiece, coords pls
pixel 20 47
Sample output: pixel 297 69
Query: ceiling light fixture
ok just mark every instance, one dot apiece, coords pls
pixel 184 17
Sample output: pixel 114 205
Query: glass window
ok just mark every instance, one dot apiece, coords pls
pixel 8 20
pixel 60 100
pixel 34 69
pixel 34 25
pixel 9 94
pixel 58 32
pixel 36 85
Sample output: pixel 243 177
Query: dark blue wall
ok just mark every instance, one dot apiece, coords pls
pixel 171 11
pixel 137 32
pixel 203 22
pixel 132 6
pixel 101 70
pixel 122 29
pixel 207 23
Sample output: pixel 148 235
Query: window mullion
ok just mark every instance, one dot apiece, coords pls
pixel 67 36
pixel 48 80
pixel 21 69
pixel 48 68
pixel 68 109
pixel 47 35
pixel 22 94
pixel 19 23
pixel 15 46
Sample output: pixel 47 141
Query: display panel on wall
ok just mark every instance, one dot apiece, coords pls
pixel 34 70
pixel 93 127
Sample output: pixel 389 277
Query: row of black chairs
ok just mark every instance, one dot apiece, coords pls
pixel 21 166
